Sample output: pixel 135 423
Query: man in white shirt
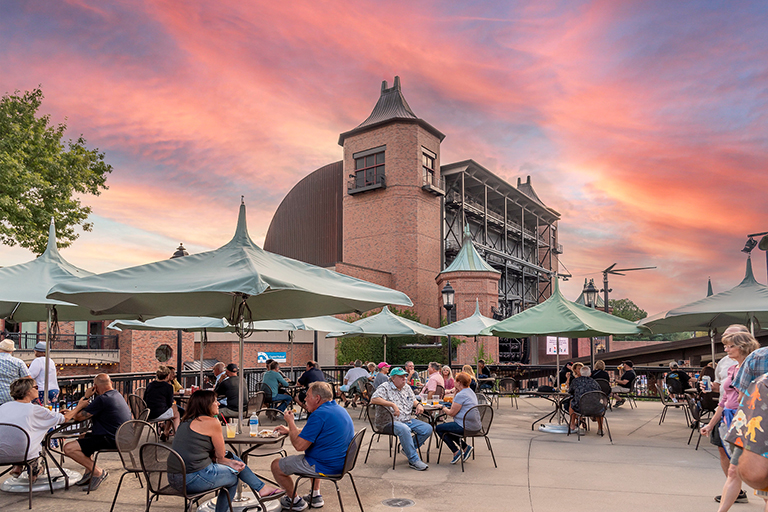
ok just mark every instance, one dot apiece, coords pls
pixel 353 374
pixel 37 372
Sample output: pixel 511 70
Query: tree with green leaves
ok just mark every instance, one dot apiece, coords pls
pixel 41 176
pixel 628 310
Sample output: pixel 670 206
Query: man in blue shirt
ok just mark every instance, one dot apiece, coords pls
pixel 324 441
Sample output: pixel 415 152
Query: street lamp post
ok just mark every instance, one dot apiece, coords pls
pixel 448 296
pixel 590 299
pixel 762 245
pixel 180 251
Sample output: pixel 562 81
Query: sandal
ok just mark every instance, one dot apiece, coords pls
pixel 275 492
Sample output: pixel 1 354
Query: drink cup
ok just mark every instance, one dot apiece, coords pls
pixel 181 391
pixel 231 429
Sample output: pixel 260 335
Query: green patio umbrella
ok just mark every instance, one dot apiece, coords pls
pixel 239 282
pixel 746 303
pixel 558 316
pixel 23 290
pixel 387 324
pixel 470 326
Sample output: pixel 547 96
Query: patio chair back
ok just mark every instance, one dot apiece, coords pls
pixel 440 391
pixel 485 413
pixel 137 405
pixel 140 392
pixel 381 419
pixel 14 444
pixel 507 386
pixel 674 386
pixel 605 386
pixel 256 402
pixel 352 452
pixel 130 437
pixel 593 403
pixel 270 418
pixel 267 393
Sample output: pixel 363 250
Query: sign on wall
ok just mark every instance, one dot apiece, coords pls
pixel 552 346
pixel 280 357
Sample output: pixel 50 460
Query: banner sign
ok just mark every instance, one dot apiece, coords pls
pixel 280 357
pixel 552 346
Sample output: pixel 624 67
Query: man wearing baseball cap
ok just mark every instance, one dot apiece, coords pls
pixel 230 387
pixel 401 400
pixel 37 372
pixel 11 368
pixel 382 376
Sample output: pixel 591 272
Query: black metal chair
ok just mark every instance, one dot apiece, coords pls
pixel 137 405
pixel 605 387
pixel 593 404
pixel 382 422
pixel 670 402
pixel 14 438
pixel 53 444
pixel 140 392
pixel 349 464
pixel 154 459
pixel 699 416
pixel 508 387
pixel 486 419
pixel 631 394
pixel 366 398
pixel 256 401
pixel 130 437
pixel 267 402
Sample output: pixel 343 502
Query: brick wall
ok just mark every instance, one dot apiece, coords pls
pixel 396 229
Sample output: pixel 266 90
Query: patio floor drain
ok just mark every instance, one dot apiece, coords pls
pixel 399 502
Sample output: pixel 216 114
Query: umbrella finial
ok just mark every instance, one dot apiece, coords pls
pixel 709 287
pixel 749 277
pixel 477 306
pixel 52 247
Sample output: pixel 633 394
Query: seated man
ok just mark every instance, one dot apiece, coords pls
pixel 399 397
pixel 623 384
pixel 351 387
pixel 274 379
pixel 686 381
pixel 435 379
pixel 34 419
pixel 108 410
pixel 230 388
pixel 412 376
pixel 324 441
pixel 312 374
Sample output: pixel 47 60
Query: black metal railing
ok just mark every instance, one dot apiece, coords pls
pixel 28 340
pixel 529 377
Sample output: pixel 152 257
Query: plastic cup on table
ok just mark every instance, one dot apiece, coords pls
pixel 231 429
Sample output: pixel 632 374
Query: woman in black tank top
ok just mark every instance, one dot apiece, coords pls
pixel 200 443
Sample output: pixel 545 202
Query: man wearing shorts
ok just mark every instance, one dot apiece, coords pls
pixel 324 441
pixel 108 410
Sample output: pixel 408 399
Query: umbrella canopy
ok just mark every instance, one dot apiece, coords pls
pixel 23 288
pixel 557 315
pixel 386 324
pixel 470 326
pixel 175 323
pixel 238 277
pixel 743 304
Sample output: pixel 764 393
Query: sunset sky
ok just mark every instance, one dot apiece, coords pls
pixel 645 124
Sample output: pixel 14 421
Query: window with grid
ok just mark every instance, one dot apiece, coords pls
pixel 428 165
pixel 369 169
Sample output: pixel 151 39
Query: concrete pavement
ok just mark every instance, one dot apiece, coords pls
pixel 648 467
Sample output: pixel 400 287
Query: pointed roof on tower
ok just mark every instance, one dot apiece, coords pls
pixel 391 107
pixel 468 259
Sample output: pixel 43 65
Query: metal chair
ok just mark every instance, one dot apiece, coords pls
pixel 593 404
pixel 508 387
pixel 349 464
pixel 668 403
pixel 699 416
pixel 366 398
pixel 486 419
pixel 154 459
pixel 382 423
pixel 630 395
pixel 439 391
pixel 605 387
pixel 267 401
pixel 53 444
pixel 256 401
pixel 140 392
pixel 13 439
pixel 137 405
pixel 130 437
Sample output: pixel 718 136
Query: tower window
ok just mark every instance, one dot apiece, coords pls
pixel 369 170
pixel 428 166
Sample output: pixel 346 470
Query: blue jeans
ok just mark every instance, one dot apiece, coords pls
pixel 217 475
pixel 281 401
pixel 53 394
pixel 403 432
pixel 444 429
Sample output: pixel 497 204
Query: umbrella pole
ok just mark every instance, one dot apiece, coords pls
pixel 712 344
pixel 557 363
pixel 203 339
pixel 47 353
pixel 242 377
pixel 592 351
pixel 477 350
pixel 293 372
pixel 384 337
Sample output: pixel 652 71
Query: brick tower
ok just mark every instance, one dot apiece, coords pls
pixel 391 203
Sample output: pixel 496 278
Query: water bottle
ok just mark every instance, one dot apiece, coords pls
pixel 707 381
pixel 254 423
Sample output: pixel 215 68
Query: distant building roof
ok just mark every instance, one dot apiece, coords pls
pixel 468 259
pixel 392 106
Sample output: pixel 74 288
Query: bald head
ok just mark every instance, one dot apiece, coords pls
pixel 102 383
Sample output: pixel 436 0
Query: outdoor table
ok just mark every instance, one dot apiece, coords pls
pixel 242 444
pixel 432 412
pixel 556 398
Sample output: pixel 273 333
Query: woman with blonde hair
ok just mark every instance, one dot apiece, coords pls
pixel 447 378
pixel 473 382
pixel 738 344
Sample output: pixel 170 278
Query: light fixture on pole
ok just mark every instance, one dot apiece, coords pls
pixel 762 245
pixel 590 300
pixel 448 296
pixel 606 290
pixel 180 251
